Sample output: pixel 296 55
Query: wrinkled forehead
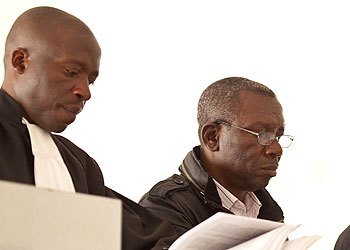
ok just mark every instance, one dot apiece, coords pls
pixel 255 107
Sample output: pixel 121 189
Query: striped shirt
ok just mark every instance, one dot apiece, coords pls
pixel 249 207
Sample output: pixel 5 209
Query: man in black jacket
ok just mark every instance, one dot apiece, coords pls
pixel 241 131
pixel 51 58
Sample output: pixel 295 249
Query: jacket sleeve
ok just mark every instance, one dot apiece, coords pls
pixel 173 200
pixel 143 230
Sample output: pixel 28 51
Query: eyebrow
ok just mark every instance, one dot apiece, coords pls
pixel 264 124
pixel 80 64
pixel 73 61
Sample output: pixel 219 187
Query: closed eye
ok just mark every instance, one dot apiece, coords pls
pixel 92 81
pixel 71 72
pixel 92 78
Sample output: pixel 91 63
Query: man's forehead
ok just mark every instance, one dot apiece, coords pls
pixel 257 109
pixel 75 45
pixel 60 32
pixel 258 101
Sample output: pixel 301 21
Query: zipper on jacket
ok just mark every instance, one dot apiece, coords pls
pixel 201 191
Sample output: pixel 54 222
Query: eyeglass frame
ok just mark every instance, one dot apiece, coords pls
pixel 258 134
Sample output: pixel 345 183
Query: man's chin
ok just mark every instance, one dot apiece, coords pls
pixel 57 127
pixel 264 183
pixel 59 130
pixel 260 185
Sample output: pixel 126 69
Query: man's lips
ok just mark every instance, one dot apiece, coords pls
pixel 270 170
pixel 73 109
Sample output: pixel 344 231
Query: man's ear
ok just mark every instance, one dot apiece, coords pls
pixel 210 136
pixel 19 60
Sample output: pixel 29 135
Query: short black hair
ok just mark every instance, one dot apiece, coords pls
pixel 220 100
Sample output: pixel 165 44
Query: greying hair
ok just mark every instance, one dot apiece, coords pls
pixel 220 101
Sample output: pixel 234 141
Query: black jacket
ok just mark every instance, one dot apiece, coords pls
pixel 141 229
pixel 343 241
pixel 187 199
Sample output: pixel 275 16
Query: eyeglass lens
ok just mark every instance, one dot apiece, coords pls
pixel 267 139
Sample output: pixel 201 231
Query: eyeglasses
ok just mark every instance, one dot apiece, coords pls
pixel 266 138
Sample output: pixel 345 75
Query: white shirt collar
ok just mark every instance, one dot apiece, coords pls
pixel 50 171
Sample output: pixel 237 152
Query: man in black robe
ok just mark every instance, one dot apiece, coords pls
pixel 51 58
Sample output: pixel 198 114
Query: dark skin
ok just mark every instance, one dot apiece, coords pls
pixel 233 157
pixel 50 77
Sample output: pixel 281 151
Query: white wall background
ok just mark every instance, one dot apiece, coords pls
pixel 158 57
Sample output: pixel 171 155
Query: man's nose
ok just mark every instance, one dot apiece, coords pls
pixel 82 90
pixel 274 150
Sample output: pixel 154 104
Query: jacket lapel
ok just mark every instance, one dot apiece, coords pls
pixel 74 166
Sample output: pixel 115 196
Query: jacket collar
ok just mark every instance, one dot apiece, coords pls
pixel 192 169
pixel 9 108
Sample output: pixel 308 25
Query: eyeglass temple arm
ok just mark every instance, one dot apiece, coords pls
pixel 235 126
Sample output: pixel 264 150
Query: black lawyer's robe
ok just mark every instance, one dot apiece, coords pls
pixel 142 230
